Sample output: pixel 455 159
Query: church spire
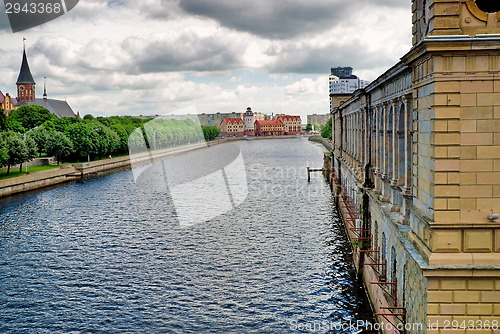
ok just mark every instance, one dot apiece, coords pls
pixel 25 76
pixel 25 82
pixel 44 87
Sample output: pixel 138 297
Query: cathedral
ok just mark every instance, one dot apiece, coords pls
pixel 26 95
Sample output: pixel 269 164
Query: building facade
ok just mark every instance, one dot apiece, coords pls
pixel 321 119
pixel 216 119
pixel 292 125
pixel 232 127
pixel 269 128
pixel 342 82
pixel 249 122
pixel 7 103
pixel 416 170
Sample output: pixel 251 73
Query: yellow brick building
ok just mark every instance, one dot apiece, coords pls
pixel 416 167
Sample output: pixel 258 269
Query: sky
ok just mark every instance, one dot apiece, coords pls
pixel 155 57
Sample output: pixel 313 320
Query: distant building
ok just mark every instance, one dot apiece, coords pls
pixel 249 122
pixel 216 119
pixel 318 119
pixel 7 103
pixel 232 127
pixel 292 125
pixel 269 128
pixel 343 82
pixel 26 95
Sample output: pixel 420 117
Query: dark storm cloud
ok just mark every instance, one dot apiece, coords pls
pixel 281 19
pixel 295 59
pixel 185 52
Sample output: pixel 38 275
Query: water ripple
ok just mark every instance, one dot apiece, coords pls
pixel 107 257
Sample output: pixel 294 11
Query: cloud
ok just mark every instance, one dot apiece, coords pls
pixel 308 86
pixel 281 19
pixel 358 46
pixel 186 51
pixel 153 56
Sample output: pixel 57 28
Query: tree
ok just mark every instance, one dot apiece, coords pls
pixel 80 136
pixel 31 116
pixel 60 146
pixel 210 132
pixel 29 151
pixel 14 125
pixel 326 132
pixel 17 149
pixel 309 127
pixel 3 152
pixel 3 120
pixel 40 135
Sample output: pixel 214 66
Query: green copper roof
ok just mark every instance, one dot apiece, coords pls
pixel 25 76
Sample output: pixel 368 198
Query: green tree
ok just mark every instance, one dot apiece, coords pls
pixel 61 124
pixel 309 127
pixel 80 136
pixel 326 132
pixel 17 149
pixel 3 152
pixel 29 151
pixel 31 116
pixel 3 120
pixel 14 125
pixel 106 140
pixel 40 135
pixel 210 132
pixel 60 146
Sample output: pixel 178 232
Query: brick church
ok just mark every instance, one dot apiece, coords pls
pixel 26 95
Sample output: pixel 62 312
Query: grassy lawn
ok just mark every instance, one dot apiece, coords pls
pixel 14 172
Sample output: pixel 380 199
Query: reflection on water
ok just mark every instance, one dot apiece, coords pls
pixel 109 256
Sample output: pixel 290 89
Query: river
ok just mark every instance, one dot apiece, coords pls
pixel 111 256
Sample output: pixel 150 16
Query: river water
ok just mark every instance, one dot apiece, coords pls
pixel 110 256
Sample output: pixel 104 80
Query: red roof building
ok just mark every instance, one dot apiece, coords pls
pixel 232 127
pixel 292 125
pixel 269 128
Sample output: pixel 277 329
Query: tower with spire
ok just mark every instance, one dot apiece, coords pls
pixel 25 82
pixel 26 94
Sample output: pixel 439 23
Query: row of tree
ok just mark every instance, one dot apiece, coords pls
pixel 32 130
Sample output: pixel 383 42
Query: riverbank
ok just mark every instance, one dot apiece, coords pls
pixel 80 171
pixel 326 143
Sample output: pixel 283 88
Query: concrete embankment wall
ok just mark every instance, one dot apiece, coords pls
pixel 72 173
pixel 326 143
